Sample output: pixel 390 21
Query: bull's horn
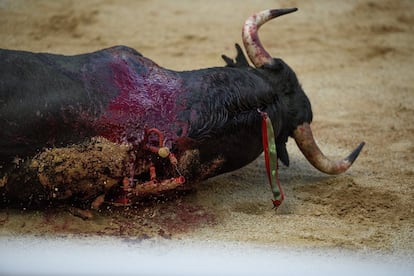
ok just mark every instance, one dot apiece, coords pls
pixel 252 44
pixel 306 143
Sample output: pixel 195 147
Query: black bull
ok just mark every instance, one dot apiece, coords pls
pixel 49 100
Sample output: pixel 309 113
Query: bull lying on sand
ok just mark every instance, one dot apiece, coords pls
pixel 179 126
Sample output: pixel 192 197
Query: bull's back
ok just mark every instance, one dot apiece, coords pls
pixel 45 100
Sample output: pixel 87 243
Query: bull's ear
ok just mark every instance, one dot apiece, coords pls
pixel 282 153
pixel 241 60
pixel 229 61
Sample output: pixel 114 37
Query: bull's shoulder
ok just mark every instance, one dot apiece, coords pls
pixel 121 49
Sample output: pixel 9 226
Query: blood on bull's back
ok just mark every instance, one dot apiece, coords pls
pixel 53 100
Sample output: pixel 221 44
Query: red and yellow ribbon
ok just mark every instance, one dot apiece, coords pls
pixel 270 153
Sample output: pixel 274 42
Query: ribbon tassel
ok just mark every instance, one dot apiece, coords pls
pixel 270 154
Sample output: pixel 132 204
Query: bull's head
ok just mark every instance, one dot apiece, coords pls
pixel 297 114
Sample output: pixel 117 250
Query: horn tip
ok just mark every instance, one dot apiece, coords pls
pixel 354 154
pixel 279 12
